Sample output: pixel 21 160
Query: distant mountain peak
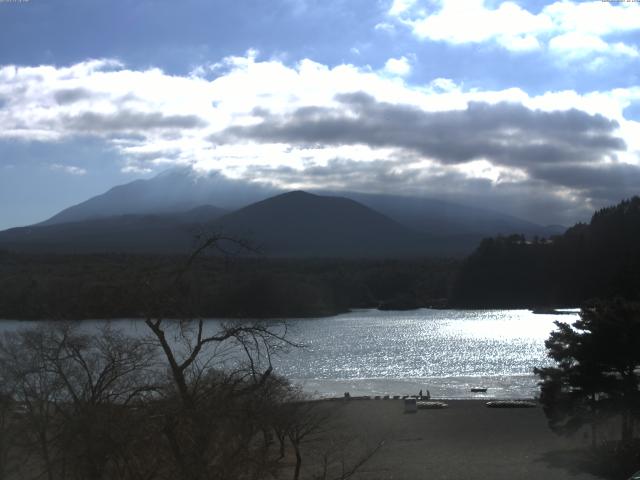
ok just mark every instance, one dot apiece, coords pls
pixel 297 193
pixel 181 195
pixel 299 223
pixel 294 194
pixel 174 190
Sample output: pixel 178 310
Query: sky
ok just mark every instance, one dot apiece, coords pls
pixel 531 108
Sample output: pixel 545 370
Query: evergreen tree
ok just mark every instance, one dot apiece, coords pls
pixel 598 370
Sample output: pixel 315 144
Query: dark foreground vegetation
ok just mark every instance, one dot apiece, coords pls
pixel 47 286
pixel 104 406
pixel 596 260
pixel 179 401
pixel 595 384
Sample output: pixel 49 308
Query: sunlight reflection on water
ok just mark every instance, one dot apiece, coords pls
pixel 370 352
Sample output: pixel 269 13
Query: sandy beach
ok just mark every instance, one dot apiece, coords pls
pixel 467 440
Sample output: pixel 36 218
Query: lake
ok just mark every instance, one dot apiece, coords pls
pixel 371 352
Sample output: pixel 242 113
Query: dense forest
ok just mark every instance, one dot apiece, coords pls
pixel 596 260
pixel 600 259
pixel 122 285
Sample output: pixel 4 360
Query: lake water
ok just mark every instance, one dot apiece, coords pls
pixel 370 352
pixel 444 351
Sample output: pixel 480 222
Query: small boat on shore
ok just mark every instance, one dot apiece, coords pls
pixel 478 389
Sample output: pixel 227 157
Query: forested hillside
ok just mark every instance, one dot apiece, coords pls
pixel 121 285
pixel 600 259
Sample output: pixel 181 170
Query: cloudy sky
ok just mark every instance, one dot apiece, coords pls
pixel 527 107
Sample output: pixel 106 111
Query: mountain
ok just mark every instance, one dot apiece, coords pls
pixel 449 219
pixel 175 190
pixel 290 224
pixel 163 213
pixel 302 224
pixel 200 215
pixel 180 189
pixel 161 233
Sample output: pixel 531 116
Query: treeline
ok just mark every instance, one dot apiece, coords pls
pixel 596 260
pixel 123 286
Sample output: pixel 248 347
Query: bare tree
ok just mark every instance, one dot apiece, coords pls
pixel 216 374
pixel 316 438
pixel 193 400
pixel 304 420
pixel 74 391
pixel 8 431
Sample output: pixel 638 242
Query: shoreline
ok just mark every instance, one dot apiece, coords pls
pixel 465 440
pixel 501 387
pixel 557 310
pixel 399 398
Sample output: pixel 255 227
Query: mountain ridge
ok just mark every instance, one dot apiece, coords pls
pixel 163 215
pixel 174 190
pixel 298 223
pixel 180 189
pixel 289 224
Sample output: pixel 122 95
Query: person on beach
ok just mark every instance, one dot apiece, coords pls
pixel 428 395
pixel 420 394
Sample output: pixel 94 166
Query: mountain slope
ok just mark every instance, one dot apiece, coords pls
pixel 180 189
pixel 174 190
pixel 449 219
pixel 292 224
pixel 166 233
pixel 303 224
pixel 596 260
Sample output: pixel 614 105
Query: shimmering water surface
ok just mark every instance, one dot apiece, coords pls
pixel 447 352
pixel 369 352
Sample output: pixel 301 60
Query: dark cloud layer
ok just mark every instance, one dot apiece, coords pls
pixel 600 184
pixel 530 199
pixel 72 95
pixel 126 120
pixel 505 133
pixel 559 151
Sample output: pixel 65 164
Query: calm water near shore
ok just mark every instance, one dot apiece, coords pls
pixel 370 352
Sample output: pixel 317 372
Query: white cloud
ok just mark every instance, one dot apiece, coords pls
pixel 398 66
pixel 579 27
pixel 385 27
pixel 580 45
pixel 444 85
pixel 401 6
pixel 460 22
pixel 70 169
pixel 136 169
pixel 521 43
pixel 155 119
pixel 594 17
